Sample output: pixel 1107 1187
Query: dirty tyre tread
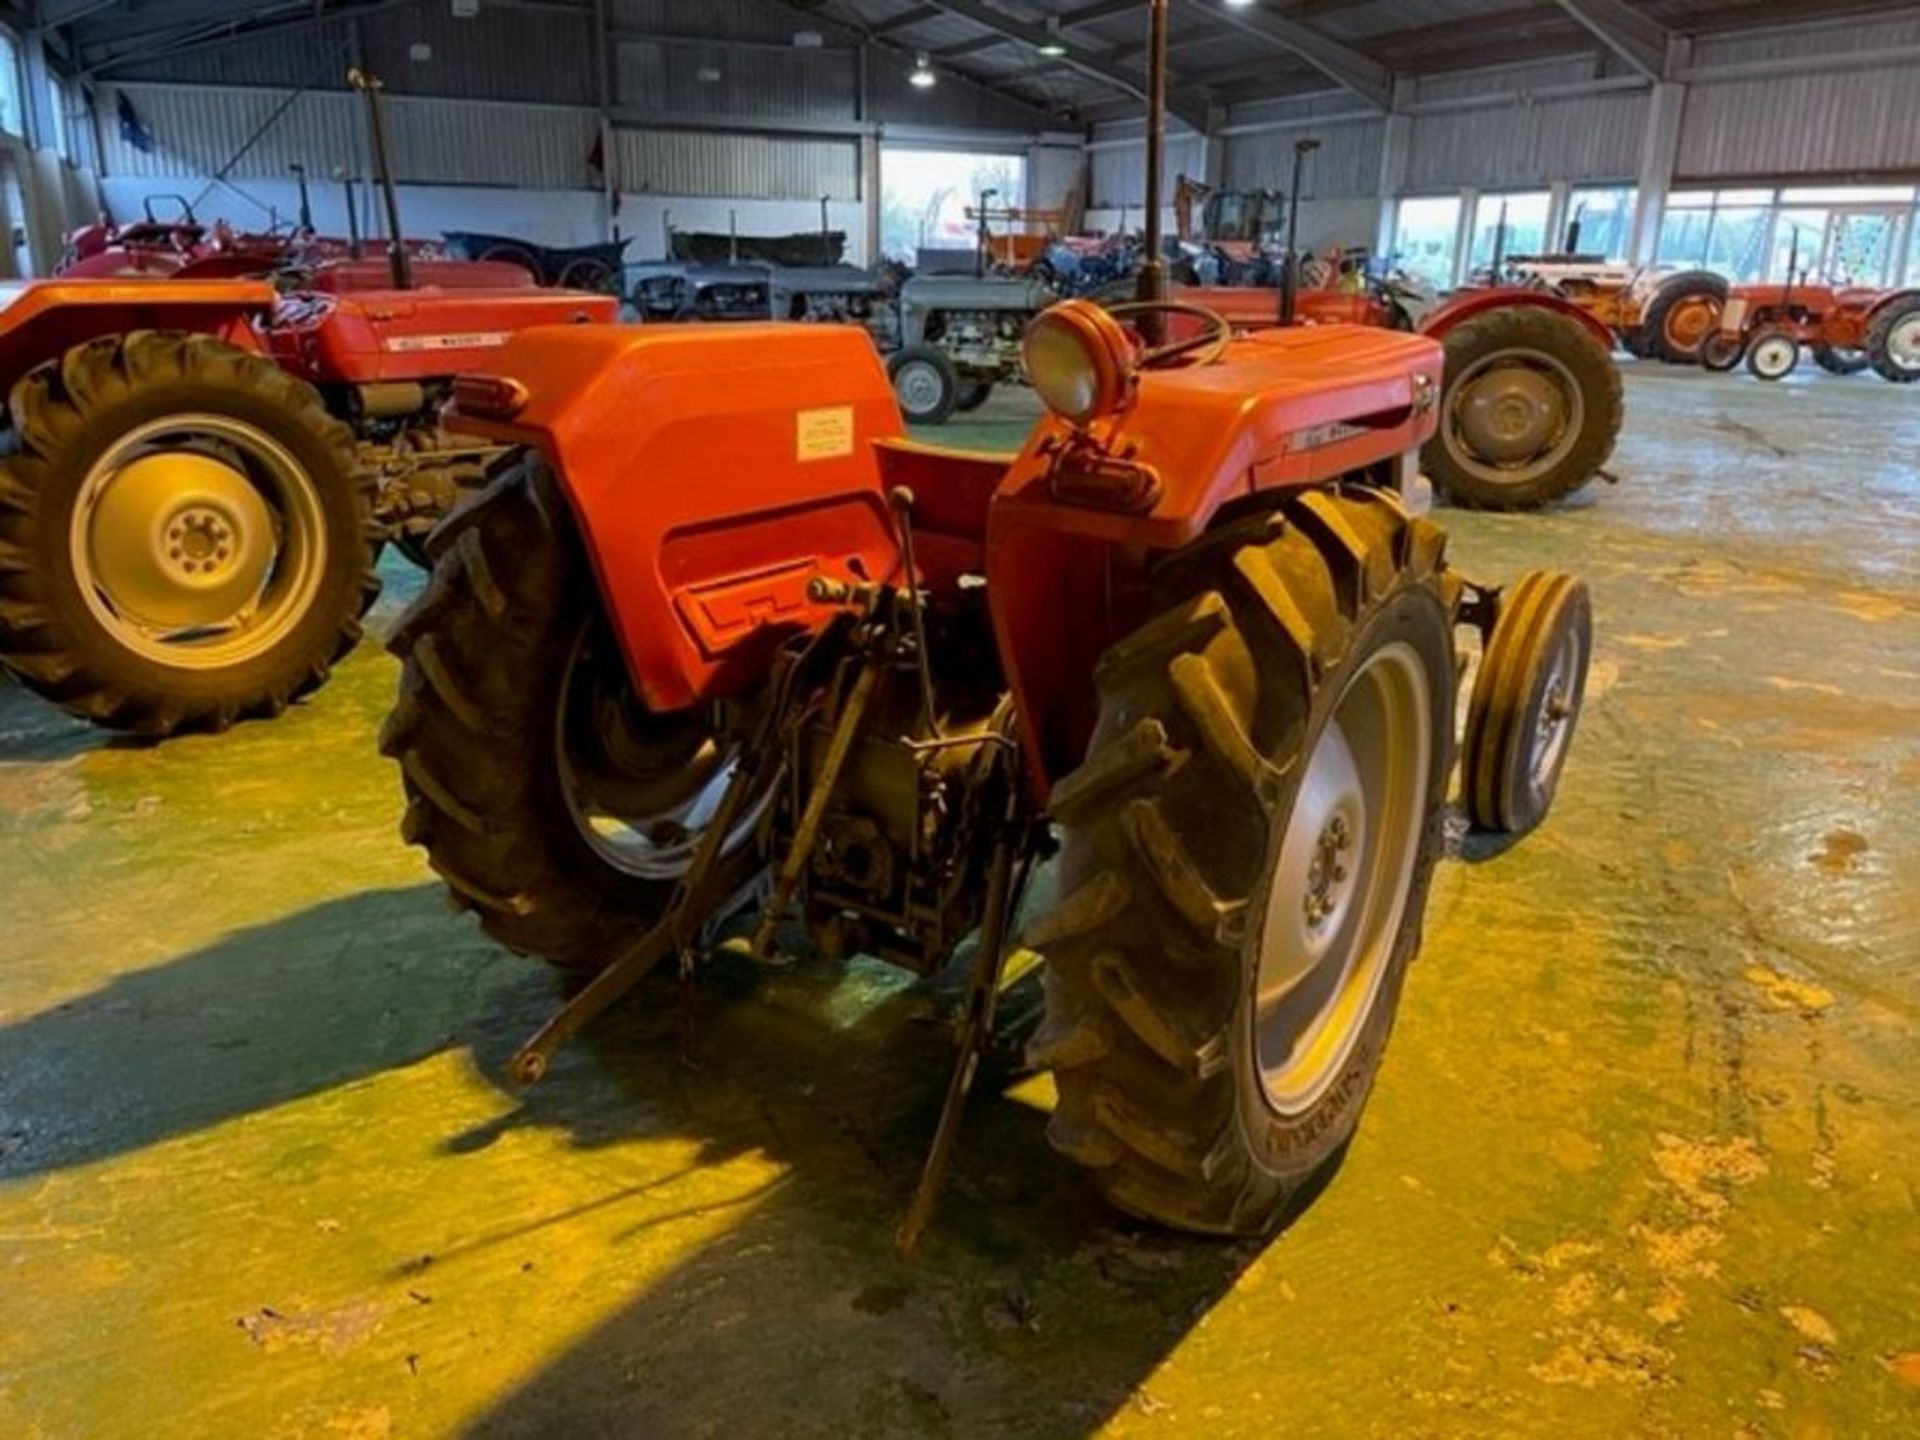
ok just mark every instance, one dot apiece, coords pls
pixel 1144 980
pixel 1671 292
pixel 480 649
pixel 65 413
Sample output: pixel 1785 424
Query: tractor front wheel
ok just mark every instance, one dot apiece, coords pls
pixel 925 384
pixel 1530 410
pixel 1773 355
pixel 551 801
pixel 185 535
pixel 1248 848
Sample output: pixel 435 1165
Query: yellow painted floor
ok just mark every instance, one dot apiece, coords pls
pixel 1643 1159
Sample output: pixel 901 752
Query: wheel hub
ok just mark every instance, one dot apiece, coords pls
pixel 1340 885
pixel 180 541
pixel 1512 414
pixel 1903 345
pixel 919 388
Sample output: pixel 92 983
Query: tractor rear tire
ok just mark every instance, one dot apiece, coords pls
pixel 1893 341
pixel 1683 312
pixel 1205 825
pixel 1840 362
pixel 484 730
pixel 973 394
pixel 186 537
pixel 1530 409
pixel 925 384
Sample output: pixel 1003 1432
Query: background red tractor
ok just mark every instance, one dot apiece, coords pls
pixel 1846 330
pixel 1193 628
pixel 203 473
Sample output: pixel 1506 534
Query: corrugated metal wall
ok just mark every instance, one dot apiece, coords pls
pixel 663 77
pixel 198 130
pixel 1346 166
pixel 1117 168
pixel 1589 137
pixel 780 167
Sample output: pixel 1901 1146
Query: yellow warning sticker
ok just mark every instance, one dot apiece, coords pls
pixel 824 434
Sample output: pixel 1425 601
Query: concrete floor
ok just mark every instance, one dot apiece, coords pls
pixel 1642 1160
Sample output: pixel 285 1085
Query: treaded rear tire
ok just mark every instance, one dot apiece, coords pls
pixel 1880 335
pixel 485 652
pixel 1172 829
pixel 1840 362
pixel 66 415
pixel 1520 329
pixel 1676 288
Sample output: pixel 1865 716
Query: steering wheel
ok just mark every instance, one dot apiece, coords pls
pixel 1201 349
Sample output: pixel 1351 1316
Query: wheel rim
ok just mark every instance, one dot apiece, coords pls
pixel 1340 890
pixel 919 387
pixel 198 541
pixel 1903 343
pixel 1559 702
pixel 1514 416
pixel 1775 355
pixel 1690 321
pixel 641 789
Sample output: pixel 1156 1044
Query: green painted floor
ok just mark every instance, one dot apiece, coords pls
pixel 1643 1160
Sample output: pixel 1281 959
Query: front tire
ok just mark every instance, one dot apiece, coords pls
pixel 1258 816
pixel 924 383
pixel 185 536
pixel 1773 355
pixel 1530 409
pixel 550 801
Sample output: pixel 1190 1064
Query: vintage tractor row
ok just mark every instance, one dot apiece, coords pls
pixel 203 473
pixel 1196 636
pixel 1846 330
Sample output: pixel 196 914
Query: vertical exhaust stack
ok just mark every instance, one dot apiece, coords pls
pixel 348 180
pixel 398 262
pixel 1153 271
pixel 1290 262
pixel 306 202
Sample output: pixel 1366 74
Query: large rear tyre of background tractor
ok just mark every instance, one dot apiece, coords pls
pixel 553 804
pixel 1839 362
pixel 185 537
pixel 1530 409
pixel 1248 847
pixel 925 384
pixel 1526 701
pixel 1893 342
pixel 1684 311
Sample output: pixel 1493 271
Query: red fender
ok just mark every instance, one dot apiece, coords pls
pixel 1887 298
pixel 44 319
pixel 1469 303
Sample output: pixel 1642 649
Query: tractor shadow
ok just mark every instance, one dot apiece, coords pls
pixel 1032 1308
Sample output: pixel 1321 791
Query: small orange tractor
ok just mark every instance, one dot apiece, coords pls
pixel 1846 330
pixel 1197 635
pixel 203 473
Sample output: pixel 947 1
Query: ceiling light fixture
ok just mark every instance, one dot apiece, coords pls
pixel 922 77
pixel 1053 47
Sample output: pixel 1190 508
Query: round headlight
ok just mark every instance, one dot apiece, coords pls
pixel 1079 360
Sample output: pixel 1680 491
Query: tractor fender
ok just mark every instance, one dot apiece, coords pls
pixel 43 319
pixel 1889 297
pixel 1469 303
pixel 713 472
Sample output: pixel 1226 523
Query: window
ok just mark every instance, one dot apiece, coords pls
pixel 1604 214
pixel 1737 245
pixel 11 109
pixel 1723 230
pixel 57 107
pixel 1525 219
pixel 925 196
pixel 1426 237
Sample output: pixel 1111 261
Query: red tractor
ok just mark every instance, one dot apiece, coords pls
pixel 203 472
pixel 722 637
pixel 1531 402
pixel 1847 330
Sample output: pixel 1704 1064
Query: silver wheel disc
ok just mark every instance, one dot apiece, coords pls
pixel 919 387
pixel 1548 746
pixel 640 790
pixel 198 541
pixel 1775 355
pixel 1903 343
pixel 1513 416
pixel 1339 891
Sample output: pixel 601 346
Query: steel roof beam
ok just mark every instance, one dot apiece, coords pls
pixel 1362 74
pixel 1638 39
